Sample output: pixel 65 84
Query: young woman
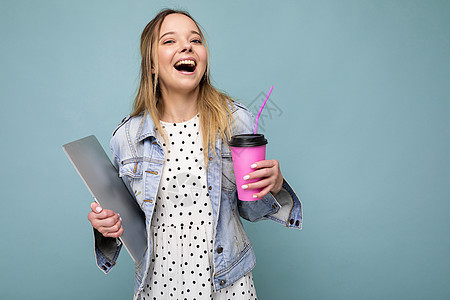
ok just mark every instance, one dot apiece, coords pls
pixel 173 155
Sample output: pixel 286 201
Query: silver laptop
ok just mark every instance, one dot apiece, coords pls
pixel 108 189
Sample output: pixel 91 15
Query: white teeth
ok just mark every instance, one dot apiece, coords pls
pixel 185 62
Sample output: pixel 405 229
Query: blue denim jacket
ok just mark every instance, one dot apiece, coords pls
pixel 139 157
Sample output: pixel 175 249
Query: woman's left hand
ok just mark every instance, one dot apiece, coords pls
pixel 270 174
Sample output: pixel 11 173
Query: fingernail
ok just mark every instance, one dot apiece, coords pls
pixel 246 177
pixel 253 166
pixel 254 196
pixel 98 209
pixel 245 186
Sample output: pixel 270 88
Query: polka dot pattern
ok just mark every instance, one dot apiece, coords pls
pixel 182 225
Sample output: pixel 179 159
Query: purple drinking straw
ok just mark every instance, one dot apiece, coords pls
pixel 260 110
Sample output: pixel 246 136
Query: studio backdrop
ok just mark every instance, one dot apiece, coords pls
pixel 358 119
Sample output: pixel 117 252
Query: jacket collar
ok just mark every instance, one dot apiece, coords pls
pixel 146 127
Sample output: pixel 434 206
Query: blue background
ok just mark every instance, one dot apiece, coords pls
pixel 360 127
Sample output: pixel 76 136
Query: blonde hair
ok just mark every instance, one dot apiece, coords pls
pixel 213 105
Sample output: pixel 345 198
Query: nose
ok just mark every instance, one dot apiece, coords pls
pixel 186 47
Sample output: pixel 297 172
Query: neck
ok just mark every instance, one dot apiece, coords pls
pixel 178 107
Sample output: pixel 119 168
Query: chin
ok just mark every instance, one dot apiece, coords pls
pixel 188 87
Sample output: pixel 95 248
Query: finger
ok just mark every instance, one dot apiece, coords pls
pixel 117 226
pixel 105 214
pixel 115 234
pixel 262 193
pixel 91 216
pixel 110 221
pixel 261 173
pixel 114 229
pixel 105 225
pixel 99 221
pixel 96 207
pixel 257 185
pixel 264 164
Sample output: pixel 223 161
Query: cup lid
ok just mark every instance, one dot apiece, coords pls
pixel 247 140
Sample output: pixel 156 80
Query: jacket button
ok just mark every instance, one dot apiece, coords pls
pixel 274 206
pixel 297 223
pixel 219 250
pixel 210 158
pixel 222 282
pixel 210 188
pixel 104 268
pixel 108 264
pixel 291 221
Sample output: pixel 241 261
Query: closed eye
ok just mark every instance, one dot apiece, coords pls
pixel 168 41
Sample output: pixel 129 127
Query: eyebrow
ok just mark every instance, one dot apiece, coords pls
pixel 172 32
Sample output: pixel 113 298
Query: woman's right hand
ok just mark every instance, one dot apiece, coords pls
pixel 107 222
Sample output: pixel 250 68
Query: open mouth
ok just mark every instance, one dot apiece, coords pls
pixel 186 65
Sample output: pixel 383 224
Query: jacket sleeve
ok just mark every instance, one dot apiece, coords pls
pixel 107 249
pixel 285 207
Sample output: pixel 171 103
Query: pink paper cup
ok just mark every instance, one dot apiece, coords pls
pixel 247 149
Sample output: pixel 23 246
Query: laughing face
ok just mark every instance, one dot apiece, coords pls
pixel 182 57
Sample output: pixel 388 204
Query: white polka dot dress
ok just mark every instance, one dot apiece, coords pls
pixel 182 225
